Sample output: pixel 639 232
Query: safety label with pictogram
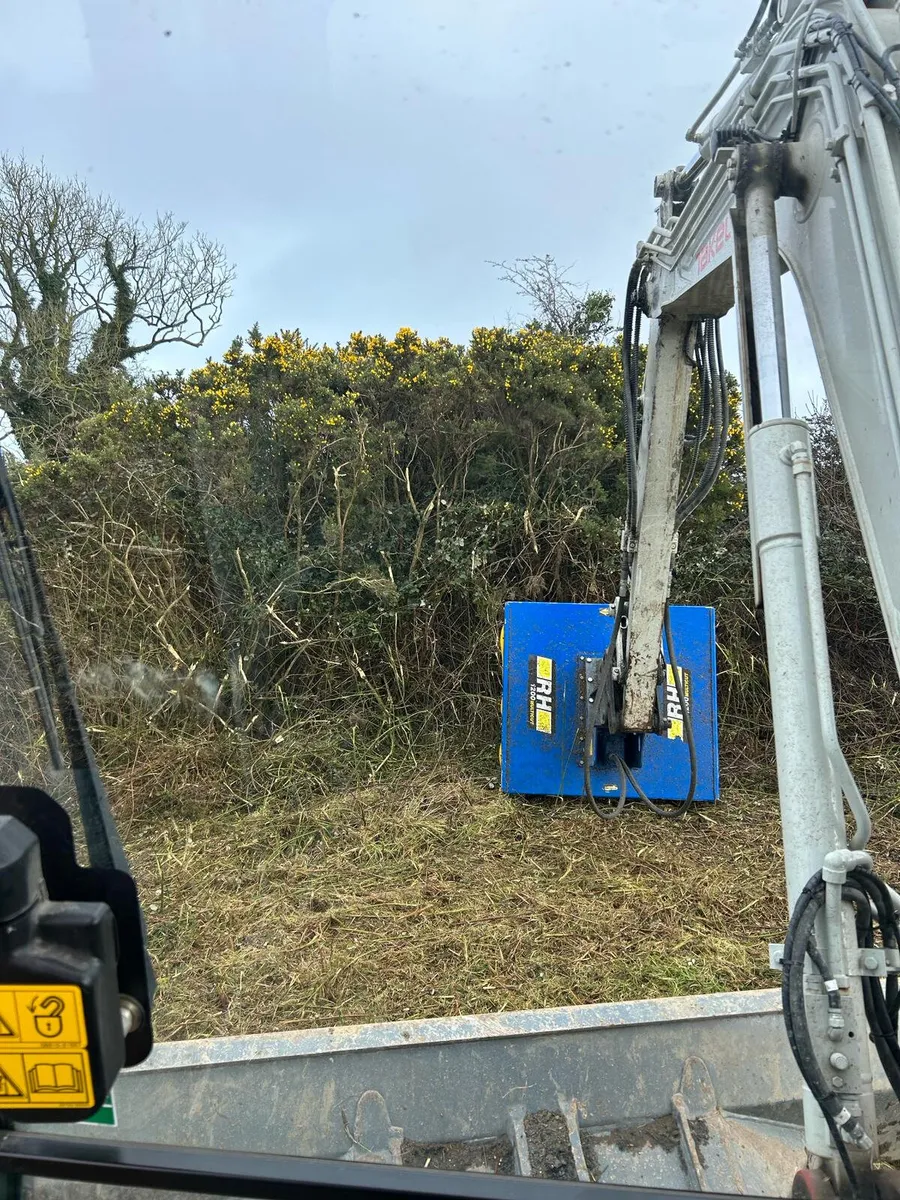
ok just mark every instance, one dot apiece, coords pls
pixel 44 1062
pixel 51 1017
pixel 46 1080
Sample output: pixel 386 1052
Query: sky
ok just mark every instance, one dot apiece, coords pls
pixel 363 161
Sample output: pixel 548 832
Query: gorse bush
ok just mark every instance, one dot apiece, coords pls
pixel 334 530
pixel 344 519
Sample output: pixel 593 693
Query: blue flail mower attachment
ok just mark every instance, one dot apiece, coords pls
pixel 544 742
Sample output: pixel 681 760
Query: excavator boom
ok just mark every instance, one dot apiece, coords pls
pixel 838 233
pixel 797 171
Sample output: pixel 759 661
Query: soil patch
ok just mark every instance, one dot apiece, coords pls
pixel 495 1156
pixel 662 1132
pixel 549 1146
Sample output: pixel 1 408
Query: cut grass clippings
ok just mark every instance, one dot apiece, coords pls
pixel 274 905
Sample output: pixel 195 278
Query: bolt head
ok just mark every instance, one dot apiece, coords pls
pixel 839 1061
pixel 837 1082
pixel 870 962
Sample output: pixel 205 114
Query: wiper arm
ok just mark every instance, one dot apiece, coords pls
pixel 50 679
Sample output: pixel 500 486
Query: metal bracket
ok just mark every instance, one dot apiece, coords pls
pixel 836 142
pixel 871 963
pixel 597 695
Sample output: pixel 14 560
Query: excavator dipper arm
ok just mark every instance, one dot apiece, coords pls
pixel 798 170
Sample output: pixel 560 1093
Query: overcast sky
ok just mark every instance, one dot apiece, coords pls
pixel 362 159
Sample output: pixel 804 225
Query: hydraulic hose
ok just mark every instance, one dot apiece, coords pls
pixel 800 935
pixel 626 775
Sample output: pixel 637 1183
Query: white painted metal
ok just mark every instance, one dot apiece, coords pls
pixel 842 243
pixel 812 814
pixel 802 466
pixel 767 302
pixel 668 375
pixel 841 240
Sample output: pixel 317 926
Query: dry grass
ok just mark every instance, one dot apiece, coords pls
pixel 277 900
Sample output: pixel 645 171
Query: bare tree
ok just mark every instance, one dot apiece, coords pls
pixel 557 302
pixel 84 291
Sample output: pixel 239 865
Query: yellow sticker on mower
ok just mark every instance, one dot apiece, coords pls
pixel 541 693
pixel 674 713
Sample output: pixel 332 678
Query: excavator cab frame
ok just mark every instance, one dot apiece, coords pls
pixel 798 169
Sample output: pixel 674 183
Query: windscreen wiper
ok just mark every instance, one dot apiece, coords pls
pixel 51 681
pixel 76 983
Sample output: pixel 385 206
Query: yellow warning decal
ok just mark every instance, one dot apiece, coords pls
pixel 50 1079
pixel 41 1017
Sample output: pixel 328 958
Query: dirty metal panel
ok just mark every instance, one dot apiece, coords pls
pixel 453 1079
pixel 587 1090
pixel 648 1154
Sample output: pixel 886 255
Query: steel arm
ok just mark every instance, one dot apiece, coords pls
pixel 667 375
pixel 799 171
pixel 841 241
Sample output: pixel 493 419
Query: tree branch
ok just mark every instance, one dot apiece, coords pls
pixel 85 290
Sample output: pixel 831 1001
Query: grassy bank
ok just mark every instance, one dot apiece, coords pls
pixel 275 902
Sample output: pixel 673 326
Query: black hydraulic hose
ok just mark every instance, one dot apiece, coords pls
pixel 881 60
pixel 606 814
pixel 882 1033
pixel 832 992
pixel 881 1007
pixel 887 66
pixel 710 385
pixel 725 397
pixel 800 931
pixel 874 892
pixel 626 775
pixel 843 33
pixel 694 352
pixel 878 891
pixel 800 58
pixel 801 928
pixel 710 363
pixel 844 1154
pixel 892 999
pixel 873 904
pixel 707 386
pixel 630 354
pixel 603 673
